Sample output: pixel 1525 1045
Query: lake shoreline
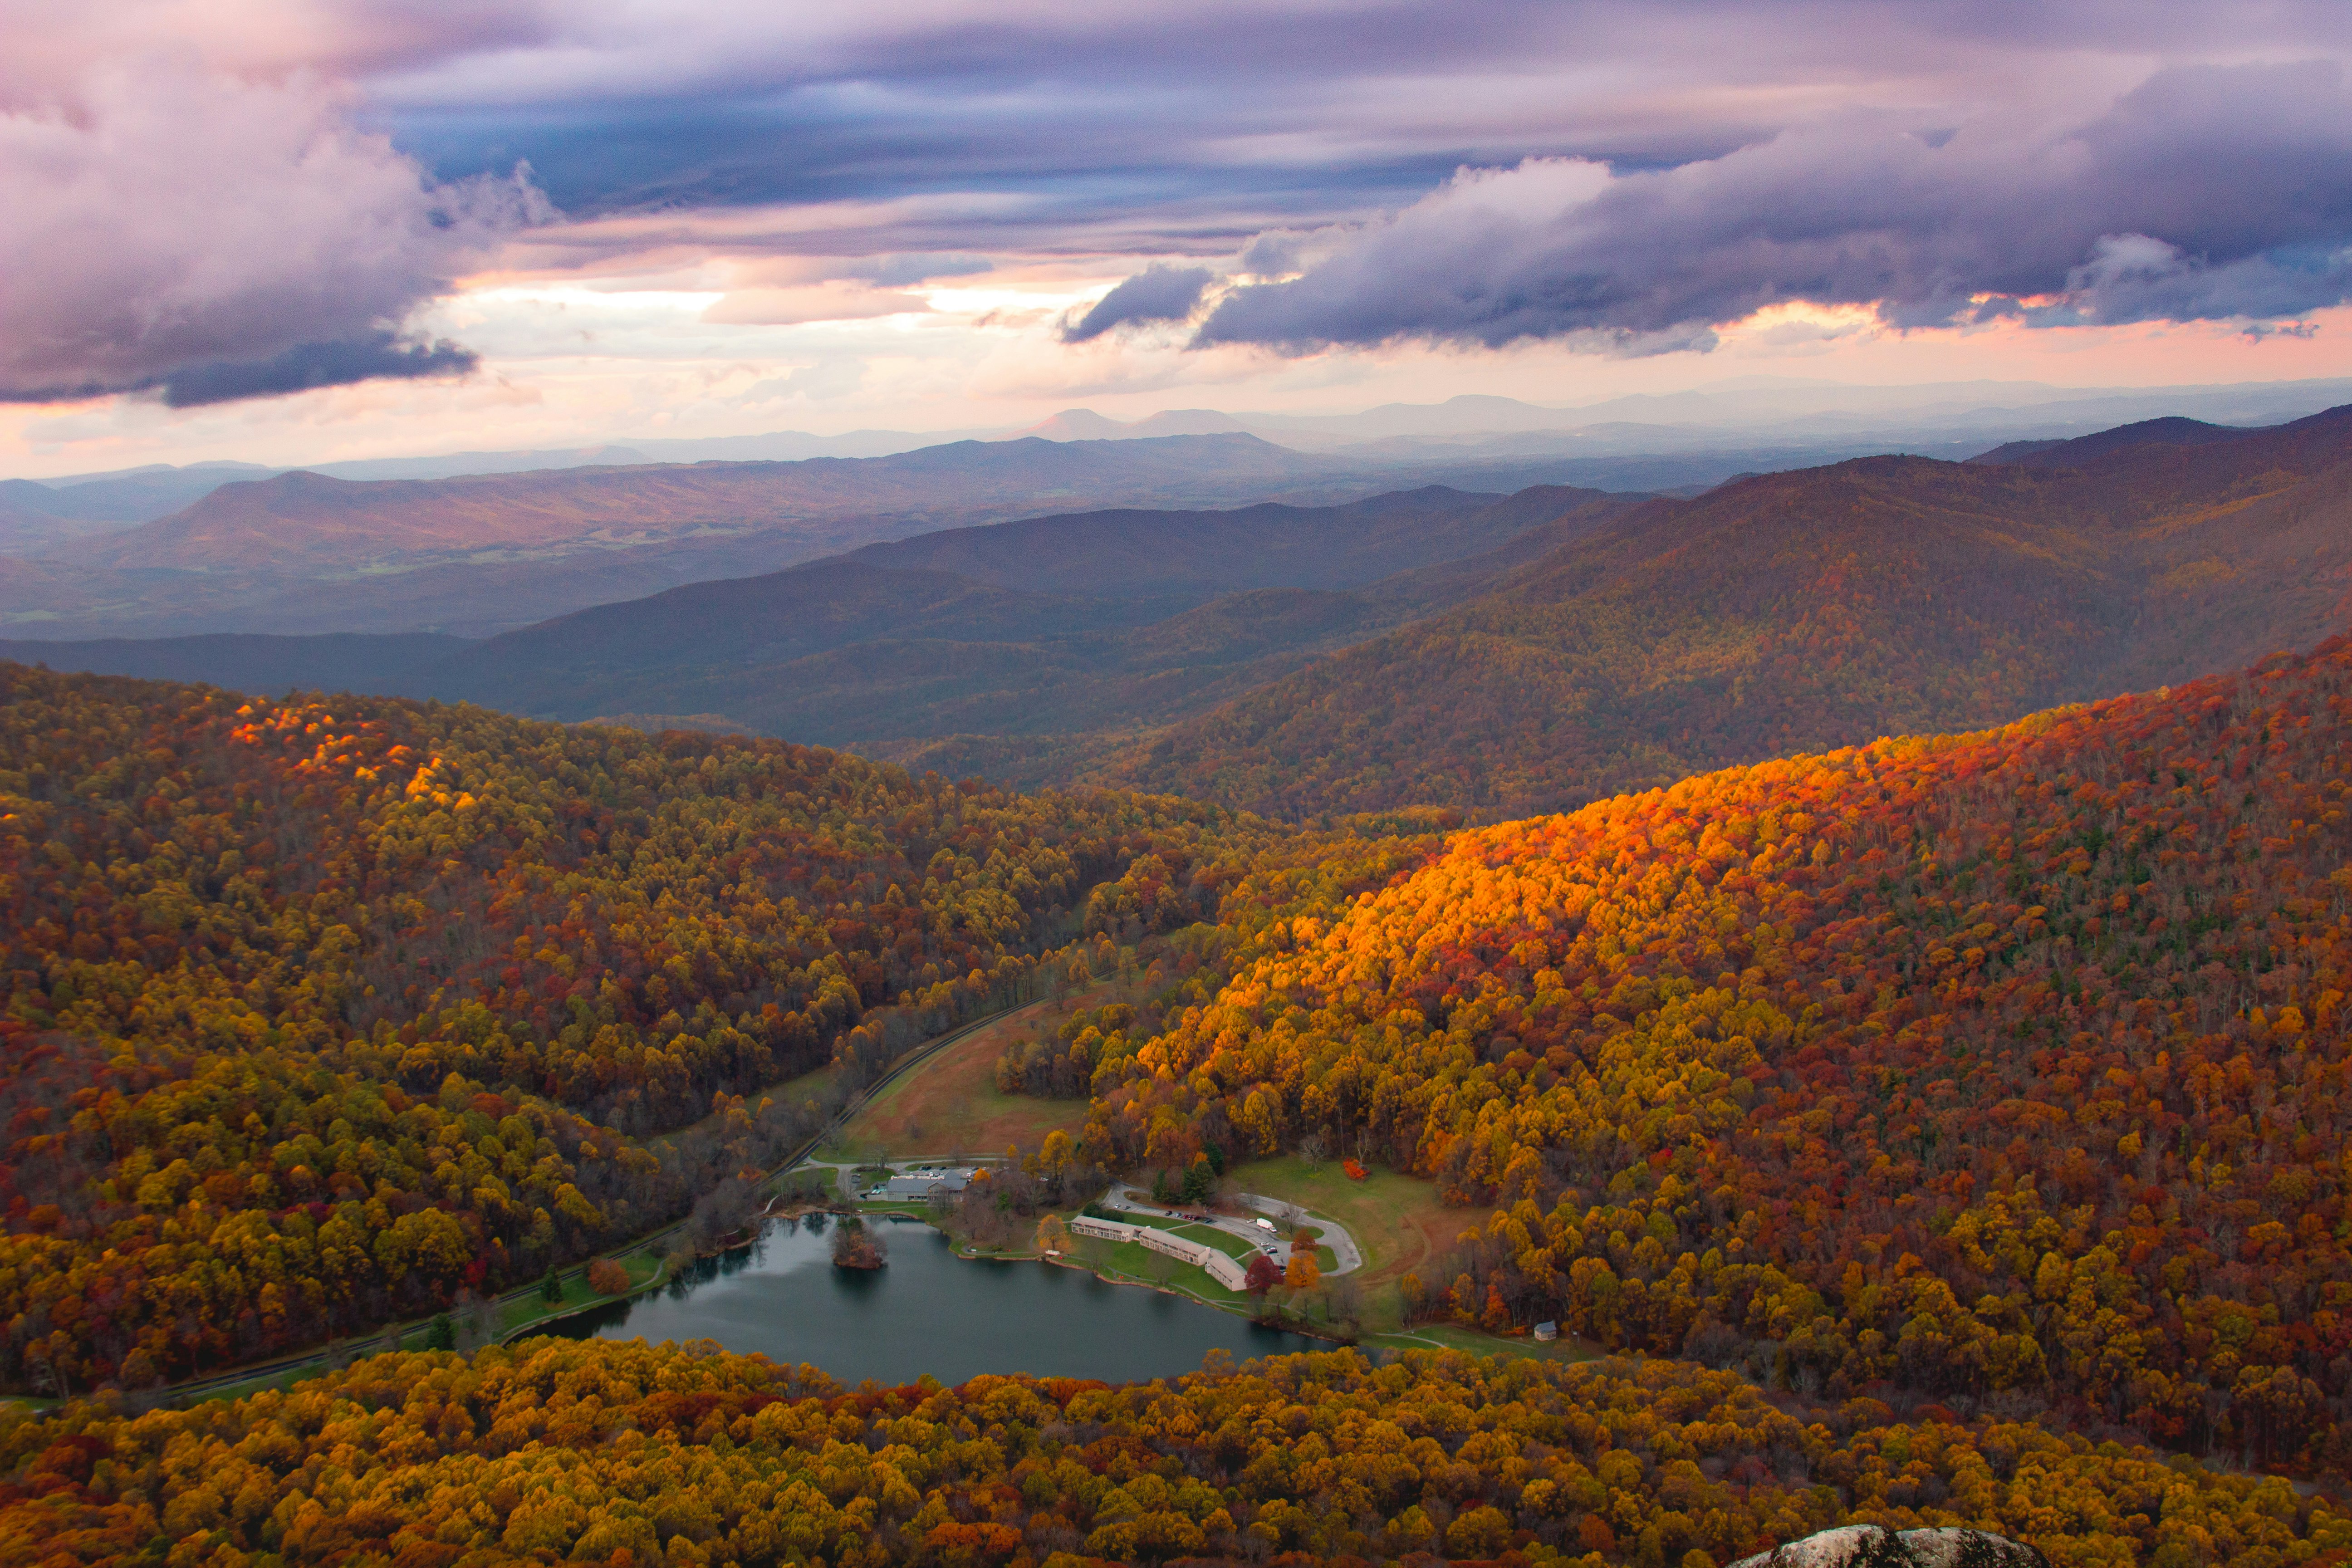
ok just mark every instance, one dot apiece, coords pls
pixel 925 1314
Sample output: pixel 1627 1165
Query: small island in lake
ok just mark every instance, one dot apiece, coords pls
pixel 855 1246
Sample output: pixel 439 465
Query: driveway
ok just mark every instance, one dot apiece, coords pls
pixel 1346 1256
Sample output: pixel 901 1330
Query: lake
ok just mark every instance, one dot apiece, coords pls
pixel 929 1311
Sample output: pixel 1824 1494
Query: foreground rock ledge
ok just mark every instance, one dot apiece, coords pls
pixel 1873 1546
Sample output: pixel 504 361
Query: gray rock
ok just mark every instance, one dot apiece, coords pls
pixel 1872 1546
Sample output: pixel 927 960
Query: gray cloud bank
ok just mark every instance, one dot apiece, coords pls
pixel 175 231
pixel 191 212
pixel 1157 293
pixel 377 356
pixel 2208 193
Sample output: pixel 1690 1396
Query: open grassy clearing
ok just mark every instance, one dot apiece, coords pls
pixel 1449 1336
pixel 642 1268
pixel 950 1105
pixel 1131 1260
pixel 1396 1220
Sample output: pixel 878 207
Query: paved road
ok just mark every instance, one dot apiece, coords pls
pixel 1347 1258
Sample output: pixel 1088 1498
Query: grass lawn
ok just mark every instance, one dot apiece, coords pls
pixel 1134 1261
pixel 1395 1219
pixel 643 1268
pixel 1450 1336
pixel 950 1104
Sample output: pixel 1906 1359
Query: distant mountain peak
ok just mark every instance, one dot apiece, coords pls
pixel 1086 425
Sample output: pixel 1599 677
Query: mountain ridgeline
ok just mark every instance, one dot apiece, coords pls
pixel 1791 611
pixel 1098 621
pixel 1489 654
pixel 1944 1133
pixel 303 552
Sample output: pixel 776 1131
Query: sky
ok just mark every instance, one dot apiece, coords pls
pixel 285 231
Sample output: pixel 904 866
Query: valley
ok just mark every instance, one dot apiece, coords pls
pixel 1118 784
pixel 1523 884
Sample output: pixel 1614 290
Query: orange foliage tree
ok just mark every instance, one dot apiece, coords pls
pixel 2006 1062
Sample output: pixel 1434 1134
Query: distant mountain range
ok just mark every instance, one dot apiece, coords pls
pixel 473 555
pixel 1047 624
pixel 300 553
pixel 1806 420
pixel 1104 620
pixel 1759 413
pixel 1500 654
pixel 1788 612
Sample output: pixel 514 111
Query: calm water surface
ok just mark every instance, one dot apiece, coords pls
pixel 930 1312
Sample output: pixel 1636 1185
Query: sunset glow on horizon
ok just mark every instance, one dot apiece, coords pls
pixel 295 232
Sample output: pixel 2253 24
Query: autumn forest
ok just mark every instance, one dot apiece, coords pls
pixel 1953 1128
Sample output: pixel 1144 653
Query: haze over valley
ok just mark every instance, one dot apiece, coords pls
pixel 1210 786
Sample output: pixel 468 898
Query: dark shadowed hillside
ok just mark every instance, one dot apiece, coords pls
pixel 308 519
pixel 1799 611
pixel 1108 621
pixel 1266 546
pixel 336 661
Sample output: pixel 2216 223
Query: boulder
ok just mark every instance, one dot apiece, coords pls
pixel 1873 1546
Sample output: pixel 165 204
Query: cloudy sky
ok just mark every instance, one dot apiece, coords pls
pixel 284 230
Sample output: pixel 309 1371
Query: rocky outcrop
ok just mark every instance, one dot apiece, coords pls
pixel 1872 1546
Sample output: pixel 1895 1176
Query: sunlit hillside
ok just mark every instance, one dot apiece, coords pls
pixel 2003 1063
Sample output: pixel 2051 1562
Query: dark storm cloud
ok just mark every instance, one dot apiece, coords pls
pixel 192 187
pixel 2207 192
pixel 1314 108
pixel 1157 293
pixel 378 356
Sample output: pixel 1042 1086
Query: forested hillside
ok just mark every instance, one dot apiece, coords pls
pixel 635 1453
pixel 483 553
pixel 317 1013
pixel 310 521
pixel 1800 611
pixel 2002 1065
pixel 1097 622
pixel 1998 1078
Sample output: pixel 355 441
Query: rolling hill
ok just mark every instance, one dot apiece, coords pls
pixel 301 552
pixel 1798 611
pixel 1496 656
pixel 307 521
pixel 1097 621
pixel 2005 1068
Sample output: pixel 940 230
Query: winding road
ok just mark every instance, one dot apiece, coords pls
pixel 1347 1256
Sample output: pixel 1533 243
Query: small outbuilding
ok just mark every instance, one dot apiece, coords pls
pixel 1547 1332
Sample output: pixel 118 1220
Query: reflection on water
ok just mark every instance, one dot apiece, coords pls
pixel 930 1312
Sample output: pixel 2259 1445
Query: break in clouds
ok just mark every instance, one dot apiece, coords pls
pixel 178 232
pixel 2207 193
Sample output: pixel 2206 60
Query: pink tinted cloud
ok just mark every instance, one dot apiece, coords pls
pixel 172 218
